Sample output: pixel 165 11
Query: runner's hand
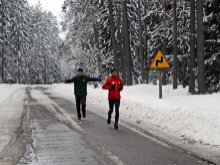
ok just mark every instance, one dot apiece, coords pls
pixel 113 87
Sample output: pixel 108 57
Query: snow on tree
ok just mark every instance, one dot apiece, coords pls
pixel 103 34
pixel 29 44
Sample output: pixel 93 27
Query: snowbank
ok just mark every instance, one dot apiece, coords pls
pixel 191 119
pixel 11 110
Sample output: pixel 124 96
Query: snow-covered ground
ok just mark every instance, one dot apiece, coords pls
pixel 190 121
pixel 11 110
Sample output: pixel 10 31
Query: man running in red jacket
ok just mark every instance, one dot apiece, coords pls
pixel 115 85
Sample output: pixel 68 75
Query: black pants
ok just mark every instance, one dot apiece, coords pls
pixel 113 103
pixel 80 103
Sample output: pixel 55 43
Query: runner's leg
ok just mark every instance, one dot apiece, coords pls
pixel 78 98
pixel 111 106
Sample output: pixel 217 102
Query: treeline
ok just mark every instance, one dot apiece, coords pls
pixel 29 44
pixel 125 34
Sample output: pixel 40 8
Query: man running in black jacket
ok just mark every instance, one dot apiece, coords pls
pixel 80 90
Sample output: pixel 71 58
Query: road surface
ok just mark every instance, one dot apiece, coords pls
pixel 51 135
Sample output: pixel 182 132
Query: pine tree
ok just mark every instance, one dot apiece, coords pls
pixel 175 52
pixel 141 49
pixel 200 48
pixel 112 29
pixel 212 45
pixel 126 43
pixel 192 47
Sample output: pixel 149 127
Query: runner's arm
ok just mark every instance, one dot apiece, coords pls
pixel 72 80
pixel 121 86
pixel 95 79
pixel 107 85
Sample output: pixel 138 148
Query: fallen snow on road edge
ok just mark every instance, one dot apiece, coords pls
pixel 11 112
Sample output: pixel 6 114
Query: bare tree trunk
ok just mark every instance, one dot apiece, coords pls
pixel 120 36
pixel 165 40
pixel 96 34
pixel 200 48
pixel 127 47
pixel 45 69
pixel 124 58
pixel 184 71
pixel 164 50
pixel 145 43
pixel 44 63
pixel 141 52
pixel 2 44
pixel 192 47
pixel 124 54
pixel 19 60
pixel 175 65
pixel 184 65
pixel 112 28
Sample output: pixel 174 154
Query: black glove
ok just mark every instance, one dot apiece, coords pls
pixel 113 87
pixel 120 89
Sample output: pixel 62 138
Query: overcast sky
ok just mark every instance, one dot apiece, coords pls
pixel 55 6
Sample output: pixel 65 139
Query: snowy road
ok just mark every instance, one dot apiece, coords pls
pixel 50 134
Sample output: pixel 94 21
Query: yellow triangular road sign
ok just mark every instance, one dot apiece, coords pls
pixel 159 62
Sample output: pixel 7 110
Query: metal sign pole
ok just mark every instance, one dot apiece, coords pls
pixel 160 83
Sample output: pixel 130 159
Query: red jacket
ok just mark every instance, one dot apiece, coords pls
pixel 114 85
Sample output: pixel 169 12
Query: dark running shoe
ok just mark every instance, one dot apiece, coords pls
pixel 84 115
pixel 116 126
pixel 109 121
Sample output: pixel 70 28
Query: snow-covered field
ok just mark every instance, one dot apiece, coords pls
pixel 11 110
pixel 190 121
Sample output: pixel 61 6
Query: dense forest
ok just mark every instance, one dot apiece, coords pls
pixel 126 35
pixel 29 44
pixel 106 34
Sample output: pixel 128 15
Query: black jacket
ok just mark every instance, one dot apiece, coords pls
pixel 80 84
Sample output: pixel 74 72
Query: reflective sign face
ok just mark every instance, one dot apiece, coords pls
pixel 159 61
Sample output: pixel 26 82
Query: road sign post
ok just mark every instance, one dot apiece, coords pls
pixel 160 62
pixel 160 84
